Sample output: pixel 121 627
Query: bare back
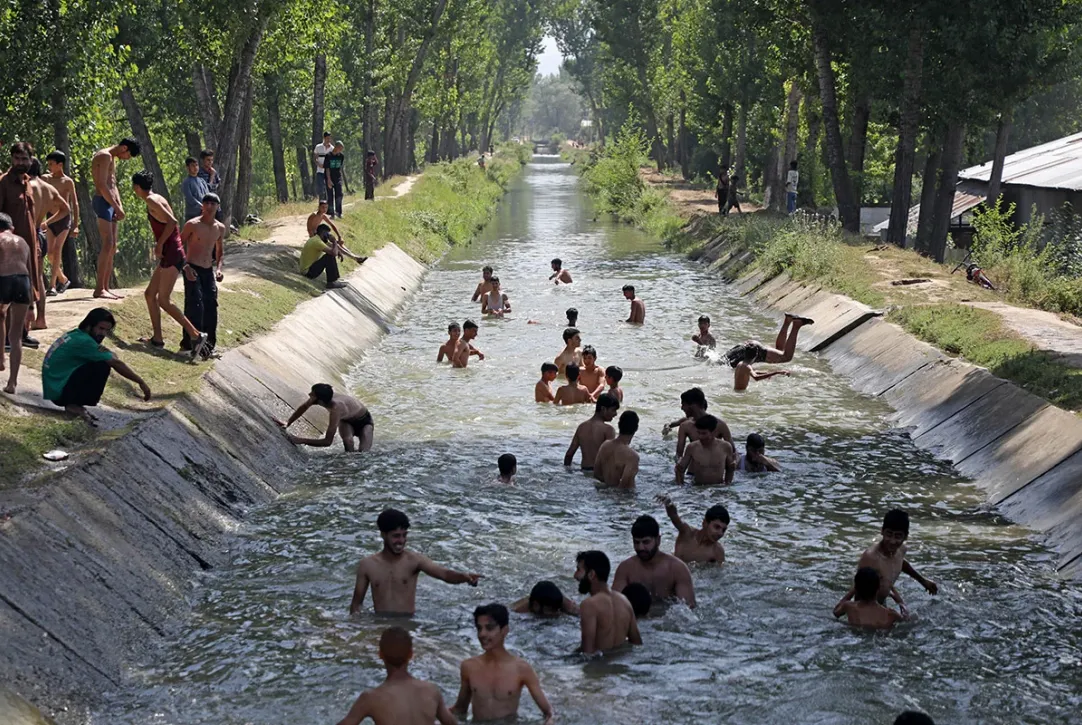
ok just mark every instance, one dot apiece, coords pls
pixel 14 254
pixel 568 356
pixel 47 200
pixel 616 464
pixel 572 394
pixel 870 615
pixel 405 701
pixel 591 436
pixel 889 568
pixel 610 618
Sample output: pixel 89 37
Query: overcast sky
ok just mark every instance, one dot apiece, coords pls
pixel 548 63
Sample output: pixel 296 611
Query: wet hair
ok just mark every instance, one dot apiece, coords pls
pixel 546 595
pixel 694 396
pixel 507 463
pixel 572 312
pixel 645 527
pixel 190 160
pixel 629 288
pixel 143 179
pixel 454 326
pixel 912 717
pixel 496 611
pixel 486 268
pixel 639 597
pixel 395 646
pixel 22 147
pixel 59 157
pixel 597 562
pixel 557 263
pixel 95 317
pixel 569 333
pixel 549 368
pixel 615 373
pixel 323 392
pixel 706 422
pixel 866 584
pixel 5 222
pixel 704 318
pixel 131 144
pixel 572 372
pixel 469 325
pixel 323 229
pixel 205 153
pixel 897 520
pixel 391 520
pixel 493 280
pixel 606 400
pixel 629 423
pixel 35 167
pixel 716 513
pixel 589 350
pixel 211 198
pixel 756 442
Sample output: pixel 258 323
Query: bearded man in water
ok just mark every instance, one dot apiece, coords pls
pixel 665 576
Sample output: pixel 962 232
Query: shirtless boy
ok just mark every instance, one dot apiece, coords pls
pixel 864 610
pixel 493 681
pixel 638 307
pixel 542 392
pixel 572 317
pixel 613 376
pixel 559 274
pixel 754 458
pixel 465 349
pixel 607 618
pixel 572 352
pixel 319 216
pixel 590 435
pixel 698 545
pixel 590 374
pixel 346 416
pixel 203 238
pixel 703 337
pixel 15 295
pixel 393 572
pixel 51 212
pixel 484 286
pixel 888 559
pixel 401 699
pixel 706 458
pixel 574 393
pixel 58 233
pixel 545 600
pixel 616 464
pixel 665 576
pixel 447 349
pixel 507 465
pixel 693 403
pixel 107 207
pixel 495 302
pixel 742 357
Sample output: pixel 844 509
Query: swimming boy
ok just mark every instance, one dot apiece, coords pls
pixel 703 337
pixel 594 432
pixel 545 600
pixel 346 416
pixel 616 464
pixel 607 617
pixel 447 349
pixel 613 376
pixel 638 307
pixel 393 572
pixel 698 545
pixel 401 699
pixel 465 347
pixel 572 352
pixel 706 458
pixel 493 681
pixel 484 286
pixel 559 274
pixel 754 458
pixel 861 607
pixel 508 467
pixel 572 317
pixel 574 393
pixel 590 374
pixel 665 576
pixel 495 302
pixel 693 403
pixel 542 392
pixel 742 357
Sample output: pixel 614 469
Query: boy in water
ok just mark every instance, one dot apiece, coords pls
pixel 706 458
pixel 608 621
pixel 572 352
pixel 742 357
pixel 638 596
pixel 542 392
pixel 493 681
pixel 693 403
pixel 590 374
pixel 401 699
pixel 545 600
pixel 447 349
pixel 593 433
pixel 572 317
pixel 485 285
pixel 574 393
pixel 559 274
pixel 495 302
pixel 754 459
pixel 508 465
pixel 613 376
pixel 638 307
pixel 861 607
pixel 465 347
pixel 616 463
pixel 346 415
pixel 703 338
pixel 698 545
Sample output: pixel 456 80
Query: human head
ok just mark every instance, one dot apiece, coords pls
pixel 395 647
pixel 35 167
pixel 592 566
pixel 912 717
pixel 127 148
pixel 629 423
pixel 895 529
pixel 322 206
pixel 866 584
pixel 495 282
pixel 98 323
pixel 56 161
pixel 572 316
pixel 792 164
pixel 469 330
pixel 705 426
pixel 142 182
pixel 646 537
pixel 370 154
pixel 549 371
pixel 591 352
pixel 756 444
pixel 322 393
pixel 206 159
pixel 6 224
pixel 704 322
pixel 557 264
pixel 21 153
pixel 629 291
pixel 508 465
pixel 454 330
pixel 326 137
pixel 716 522
pixel 323 231
pixel 613 375
pixel 393 528
pixel 338 146
pixel 639 597
pixel 546 599
pixel 606 406
pixel 491 622
pixel 570 335
pixel 486 273
pixel 572 372
pixel 192 166
pixel 693 401
pixel 211 202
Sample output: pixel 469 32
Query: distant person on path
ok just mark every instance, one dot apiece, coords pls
pixel 542 392
pixel 334 164
pixel 613 375
pixel 703 338
pixel 52 215
pixel 860 606
pixel 707 458
pixel 572 317
pixel 492 682
pixel 754 458
pixel 590 374
pixel 481 161
pixel 207 172
pixel 203 238
pixel 694 405
pixel 732 201
pixel 665 576
pixel 638 307
pixel 495 302
pixel 346 416
pixel 572 352
pixel 15 295
pixel 721 193
pixel 321 254
pixel 77 367
pixel 698 545
pixel 607 619
pixel 590 435
pixel 574 392
pixel 465 347
pixel 319 156
pixel 401 699
pixel 742 357
pixel 393 572
pixel 559 274
pixel 545 600
pixel 17 201
pixel 792 180
pixel 371 173
pixel 616 464
pixel 507 465
pixel 58 236
pixel 484 286
pixel 194 188
pixel 447 349
pixel 320 216
pixel 108 208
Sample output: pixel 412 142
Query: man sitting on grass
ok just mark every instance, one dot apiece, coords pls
pixel 322 253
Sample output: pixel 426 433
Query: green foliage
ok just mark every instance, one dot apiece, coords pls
pixel 612 179
pixel 805 249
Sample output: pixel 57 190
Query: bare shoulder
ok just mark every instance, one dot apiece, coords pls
pixel 219 227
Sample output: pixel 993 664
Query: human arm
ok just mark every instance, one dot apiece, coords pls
pixel 685 589
pixel 301 410
pixel 333 417
pixel 445 716
pixel 465 692
pixel 219 252
pixel 633 635
pixel 533 685
pixel 589 631
pixel 358 712
pixel 474 351
pixel 444 574
pixel 674 516
pixel 70 193
pixel 627 476
pixel 730 462
pixel 766 376
pixel 681 439
pixel 569 607
pixel 930 586
pixel 682 466
pixel 477 292
pixel 123 370
pixel 667 428
pixel 765 461
pixel 162 213
pixel 897 596
pixel 558 399
pixel 506 304
pixel 619 579
pixel 360 589
pixel 569 457
pixel 843 605
pixel 63 209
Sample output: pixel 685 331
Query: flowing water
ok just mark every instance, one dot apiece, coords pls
pixel 270 642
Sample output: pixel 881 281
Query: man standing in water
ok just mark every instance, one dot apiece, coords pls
pixel 574 393
pixel 607 619
pixel 665 576
pixel 559 274
pixel 638 307
pixel 572 352
pixel 742 357
pixel 595 431
pixel 401 699
pixel 203 238
pixel 698 545
pixel 484 286
pixel 108 209
pixel 616 464
pixel 493 681
pixel 393 572
pixel 346 416
pixel 465 346
pixel 707 458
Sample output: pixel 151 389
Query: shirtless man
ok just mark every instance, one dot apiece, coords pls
pixel 542 392
pixel 572 352
pixel 888 559
pixel 590 435
pixel 607 618
pixel 17 201
pixel 546 601
pixel 15 295
pixel 494 302
pixel 574 393
pixel 638 307
pixel 346 416
pixel 613 376
pixel 754 459
pixel 401 699
pixel 108 208
pixel 707 458
pixel 51 214
pixel 493 681
pixel 742 357
pixel 693 403
pixel 616 464
pixel 447 349
pixel 665 576
pixel 484 286
pixel 393 572
pixel 319 216
pixel 65 186
pixel 590 374
pixel 203 238
pixel 465 347
pixel 864 610
pixel 559 274
pixel 698 545
pixel 703 338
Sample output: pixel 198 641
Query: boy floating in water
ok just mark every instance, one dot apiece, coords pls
pixel 493 681
pixel 572 352
pixel 706 458
pixel 559 274
pixel 593 433
pixel 698 545
pixel 465 347
pixel 590 374
pixel 508 465
pixel 574 393
pixel 542 392
pixel 616 463
pixel 346 416
pixel 860 606
pixel 742 357
pixel 447 349
pixel 607 617
pixel 401 699
pixel 638 307
pixel 545 600
pixel 613 376
pixel 495 302
pixel 754 459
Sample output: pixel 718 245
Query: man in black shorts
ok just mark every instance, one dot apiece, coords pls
pixel 743 356
pixel 345 415
pixel 15 295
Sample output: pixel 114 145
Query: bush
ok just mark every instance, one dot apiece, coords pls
pixel 804 248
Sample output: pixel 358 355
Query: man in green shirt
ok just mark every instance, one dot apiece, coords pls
pixel 321 253
pixel 77 366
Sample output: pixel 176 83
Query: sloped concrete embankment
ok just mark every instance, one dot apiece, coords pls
pixel 1025 453
pixel 95 560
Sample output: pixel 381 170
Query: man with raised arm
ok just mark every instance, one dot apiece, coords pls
pixel 606 617
pixel 665 576
pixel 559 274
pixel 698 545
pixel 616 464
pixel 393 572
pixel 346 416
pixel 108 208
pixel 592 433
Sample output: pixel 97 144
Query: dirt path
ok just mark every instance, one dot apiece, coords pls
pixel 689 198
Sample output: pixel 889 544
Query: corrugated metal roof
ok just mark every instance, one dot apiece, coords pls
pixel 1054 165
pixel 963 202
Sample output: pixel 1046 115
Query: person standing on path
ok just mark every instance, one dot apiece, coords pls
pixel 15 294
pixel 371 170
pixel 722 192
pixel 108 208
pixel 203 238
pixel 65 185
pixel 732 201
pixel 334 163
pixel 51 214
pixel 319 155
pixel 17 201
pixel 792 179
pixel 194 188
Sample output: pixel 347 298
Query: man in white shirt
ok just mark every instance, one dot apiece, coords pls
pixel 791 181
pixel 319 154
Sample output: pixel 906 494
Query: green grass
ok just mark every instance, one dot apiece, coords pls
pixel 25 436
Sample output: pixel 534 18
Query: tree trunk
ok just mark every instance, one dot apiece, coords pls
pixel 207 102
pixel 741 141
pixel 274 135
pixel 908 127
pixel 948 182
pixel 192 142
pixel 726 136
pixel 1003 132
pixel 319 89
pixel 368 120
pixel 788 148
pixel 809 174
pixel 848 209
pixel 670 136
pixel 771 196
pixel 858 141
pixel 142 135
pixel 244 161
pixel 62 139
pixel 927 195
pixel 684 155
pixel 305 169
pixel 434 146
pixel 88 223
